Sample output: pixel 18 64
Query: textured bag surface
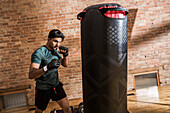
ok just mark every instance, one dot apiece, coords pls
pixel 104 58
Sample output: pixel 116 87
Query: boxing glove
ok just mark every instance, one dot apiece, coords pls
pixel 54 64
pixel 65 49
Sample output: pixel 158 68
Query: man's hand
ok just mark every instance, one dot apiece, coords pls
pixel 63 50
pixel 54 64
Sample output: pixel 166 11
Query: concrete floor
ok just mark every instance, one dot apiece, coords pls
pixel 146 100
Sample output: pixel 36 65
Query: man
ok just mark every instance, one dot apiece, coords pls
pixel 45 62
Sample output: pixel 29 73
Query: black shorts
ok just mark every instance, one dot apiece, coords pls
pixel 42 97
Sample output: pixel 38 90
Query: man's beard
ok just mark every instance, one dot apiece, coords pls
pixel 53 47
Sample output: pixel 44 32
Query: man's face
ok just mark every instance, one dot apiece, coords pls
pixel 54 43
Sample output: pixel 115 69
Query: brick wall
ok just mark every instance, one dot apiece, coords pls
pixel 149 42
pixel 24 26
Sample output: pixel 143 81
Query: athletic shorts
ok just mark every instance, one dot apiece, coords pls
pixel 42 97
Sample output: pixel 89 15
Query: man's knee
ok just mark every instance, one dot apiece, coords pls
pixel 67 109
pixel 38 110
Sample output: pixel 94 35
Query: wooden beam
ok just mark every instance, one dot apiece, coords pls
pixel 143 70
pixel 14 89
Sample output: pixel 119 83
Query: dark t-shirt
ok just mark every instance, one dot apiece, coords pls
pixel 44 56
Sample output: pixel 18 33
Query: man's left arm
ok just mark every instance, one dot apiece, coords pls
pixel 64 61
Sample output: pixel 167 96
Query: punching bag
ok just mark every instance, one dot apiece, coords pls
pixel 104 58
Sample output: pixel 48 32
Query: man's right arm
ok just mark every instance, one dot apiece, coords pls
pixel 34 71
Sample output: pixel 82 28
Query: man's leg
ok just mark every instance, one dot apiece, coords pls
pixel 64 104
pixel 42 99
pixel 38 110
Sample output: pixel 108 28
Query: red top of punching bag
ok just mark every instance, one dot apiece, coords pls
pixel 109 10
pixel 115 14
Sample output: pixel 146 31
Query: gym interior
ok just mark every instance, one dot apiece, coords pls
pixel 25 25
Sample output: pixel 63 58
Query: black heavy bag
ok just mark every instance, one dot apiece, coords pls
pixel 104 58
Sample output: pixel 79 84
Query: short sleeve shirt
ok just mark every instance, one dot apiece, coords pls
pixel 44 56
